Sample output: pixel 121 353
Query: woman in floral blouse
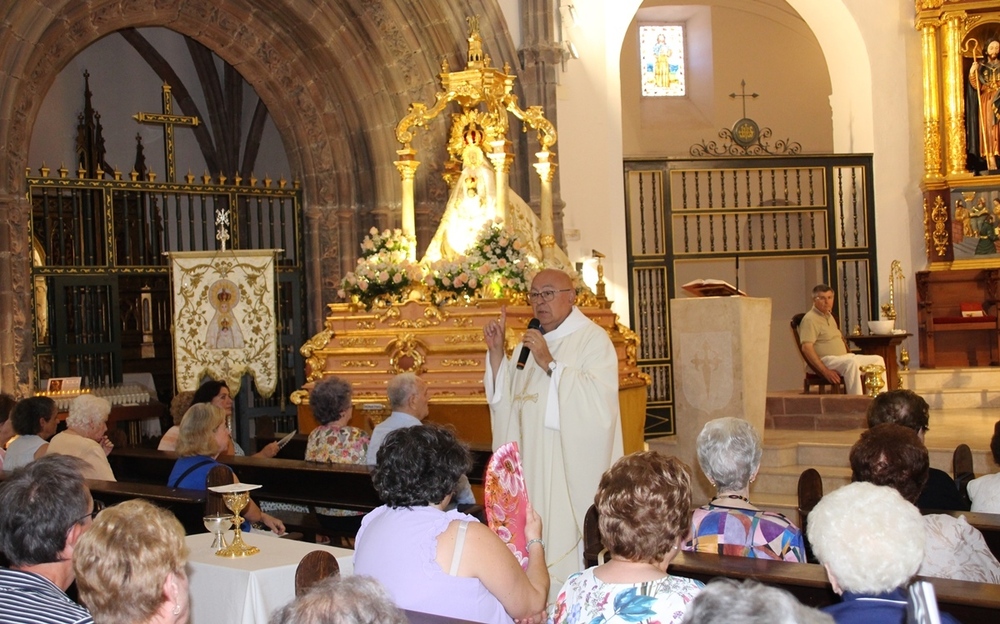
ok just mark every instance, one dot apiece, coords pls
pixel 642 505
pixel 336 442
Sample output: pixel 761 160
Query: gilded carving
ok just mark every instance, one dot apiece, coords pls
pixel 366 324
pixel 316 362
pixel 463 338
pixel 631 344
pixel 932 149
pixel 359 364
pixel 407 354
pixel 939 216
pixel 461 362
pixel 358 341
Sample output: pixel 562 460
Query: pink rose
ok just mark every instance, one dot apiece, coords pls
pixel 363 285
pixel 484 269
pixel 383 276
pixel 397 278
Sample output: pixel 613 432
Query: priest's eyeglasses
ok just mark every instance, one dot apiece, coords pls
pixel 545 295
pixel 98 508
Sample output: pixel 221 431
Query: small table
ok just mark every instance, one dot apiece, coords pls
pixel 248 589
pixel 884 345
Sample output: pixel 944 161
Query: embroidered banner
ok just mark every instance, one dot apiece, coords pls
pixel 224 322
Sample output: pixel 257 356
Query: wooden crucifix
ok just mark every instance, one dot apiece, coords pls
pixel 168 120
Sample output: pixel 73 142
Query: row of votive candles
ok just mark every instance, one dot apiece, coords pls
pixel 124 394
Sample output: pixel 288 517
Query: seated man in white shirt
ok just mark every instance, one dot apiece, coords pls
pixel 409 400
pixel 825 349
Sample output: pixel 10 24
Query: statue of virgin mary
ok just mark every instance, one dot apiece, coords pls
pixel 472 204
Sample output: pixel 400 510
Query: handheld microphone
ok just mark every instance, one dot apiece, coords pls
pixel 521 359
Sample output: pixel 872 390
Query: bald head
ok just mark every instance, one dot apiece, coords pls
pixel 552 296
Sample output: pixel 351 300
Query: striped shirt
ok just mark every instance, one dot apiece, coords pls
pixel 29 598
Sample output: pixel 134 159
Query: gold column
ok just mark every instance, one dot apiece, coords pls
pixel 954 83
pixel 407 165
pixel 501 159
pixel 932 100
pixel 546 168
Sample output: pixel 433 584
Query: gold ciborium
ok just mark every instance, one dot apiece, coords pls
pixel 236 497
pixel 873 379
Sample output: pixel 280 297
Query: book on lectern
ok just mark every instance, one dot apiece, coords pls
pixel 712 288
pixel 506 499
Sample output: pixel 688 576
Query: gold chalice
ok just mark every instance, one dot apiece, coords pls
pixel 236 497
pixel 218 524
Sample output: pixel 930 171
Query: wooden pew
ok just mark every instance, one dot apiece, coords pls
pixel 187 505
pixel 969 602
pixel 296 449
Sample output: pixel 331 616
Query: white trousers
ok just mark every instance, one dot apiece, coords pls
pixel 849 367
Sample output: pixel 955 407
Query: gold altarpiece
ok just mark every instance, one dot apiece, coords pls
pixel 443 342
pixel 961 180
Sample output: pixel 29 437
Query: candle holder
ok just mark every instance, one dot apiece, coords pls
pixel 236 497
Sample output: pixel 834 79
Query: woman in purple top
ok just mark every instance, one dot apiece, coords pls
pixel 729 452
pixel 436 561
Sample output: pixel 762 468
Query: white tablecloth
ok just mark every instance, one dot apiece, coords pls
pixel 248 589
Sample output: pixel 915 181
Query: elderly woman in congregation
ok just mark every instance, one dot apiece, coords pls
pixel 203 437
pixel 130 566
pixel 84 436
pixel 871 542
pixel 729 452
pixel 893 455
pixel 642 504
pixel 34 422
pixel 438 561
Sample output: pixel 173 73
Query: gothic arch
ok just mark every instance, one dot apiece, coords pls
pixel 335 78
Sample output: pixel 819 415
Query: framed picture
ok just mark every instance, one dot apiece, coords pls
pixel 62 384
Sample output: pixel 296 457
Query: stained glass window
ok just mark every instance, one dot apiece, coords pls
pixel 661 53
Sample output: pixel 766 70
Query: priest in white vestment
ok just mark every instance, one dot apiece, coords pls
pixel 561 408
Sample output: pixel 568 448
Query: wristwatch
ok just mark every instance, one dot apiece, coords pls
pixel 552 368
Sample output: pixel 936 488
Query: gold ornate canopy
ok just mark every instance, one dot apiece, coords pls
pixel 484 95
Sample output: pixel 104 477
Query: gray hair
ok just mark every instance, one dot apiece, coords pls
pixel 400 389
pixel 342 600
pixel 87 412
pixel 329 397
pixel 869 537
pixel 725 601
pixel 729 452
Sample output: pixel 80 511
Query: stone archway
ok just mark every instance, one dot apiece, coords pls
pixel 335 78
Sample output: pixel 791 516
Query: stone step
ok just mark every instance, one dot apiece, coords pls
pixel 932 379
pixel 961 398
pixel 815 412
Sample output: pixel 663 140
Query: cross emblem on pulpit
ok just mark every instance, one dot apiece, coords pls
pixel 168 120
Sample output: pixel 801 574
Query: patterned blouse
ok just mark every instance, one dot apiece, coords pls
pixel 587 599
pixel 329 444
pixel 745 533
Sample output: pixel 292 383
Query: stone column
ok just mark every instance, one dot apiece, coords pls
pixel 501 158
pixel 541 56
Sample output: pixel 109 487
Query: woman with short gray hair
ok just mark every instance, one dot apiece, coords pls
pixel 84 436
pixel 729 452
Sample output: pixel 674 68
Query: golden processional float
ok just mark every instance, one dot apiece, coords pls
pixel 428 317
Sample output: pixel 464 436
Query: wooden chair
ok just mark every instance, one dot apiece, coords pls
pixel 314 567
pixel 220 475
pixel 594 552
pixel 962 469
pixel 812 378
pixel 810 491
